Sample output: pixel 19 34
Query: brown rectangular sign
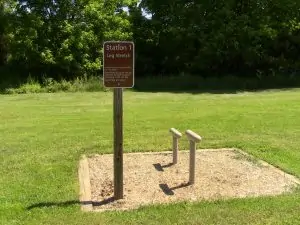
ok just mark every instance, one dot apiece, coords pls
pixel 118 64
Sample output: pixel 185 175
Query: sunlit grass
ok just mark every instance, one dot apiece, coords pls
pixel 44 135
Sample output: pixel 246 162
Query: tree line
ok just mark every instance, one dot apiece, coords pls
pixel 64 38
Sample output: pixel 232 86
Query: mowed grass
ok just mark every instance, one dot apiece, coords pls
pixel 44 135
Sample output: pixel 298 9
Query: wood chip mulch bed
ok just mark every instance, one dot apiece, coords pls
pixel 150 178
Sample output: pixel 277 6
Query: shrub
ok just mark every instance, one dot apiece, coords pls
pixel 29 88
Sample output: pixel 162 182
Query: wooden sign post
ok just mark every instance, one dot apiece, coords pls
pixel 118 73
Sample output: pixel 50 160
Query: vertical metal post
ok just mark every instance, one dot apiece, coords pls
pixel 192 162
pixel 118 143
pixel 175 149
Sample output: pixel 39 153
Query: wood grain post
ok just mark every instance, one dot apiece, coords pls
pixel 193 139
pixel 192 162
pixel 118 143
pixel 176 135
pixel 175 150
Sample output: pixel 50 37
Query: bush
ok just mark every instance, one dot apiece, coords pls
pixel 91 84
pixel 31 86
pixel 182 83
pixel 50 85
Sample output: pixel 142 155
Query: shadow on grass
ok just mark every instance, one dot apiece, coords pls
pixel 54 204
pixel 69 203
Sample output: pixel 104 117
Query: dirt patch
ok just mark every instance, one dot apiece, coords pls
pixel 150 178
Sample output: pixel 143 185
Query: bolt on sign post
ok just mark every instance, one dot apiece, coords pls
pixel 118 73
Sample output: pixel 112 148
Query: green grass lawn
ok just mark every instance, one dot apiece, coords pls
pixel 44 135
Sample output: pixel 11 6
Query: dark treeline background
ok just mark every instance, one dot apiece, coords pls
pixel 63 38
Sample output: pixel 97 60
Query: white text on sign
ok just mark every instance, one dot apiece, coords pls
pixel 117 47
pixel 118 55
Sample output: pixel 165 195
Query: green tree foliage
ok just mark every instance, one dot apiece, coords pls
pixel 64 38
pixel 3 32
pixel 232 36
